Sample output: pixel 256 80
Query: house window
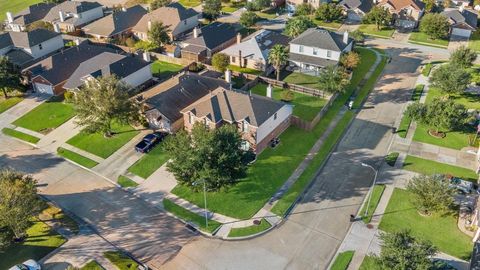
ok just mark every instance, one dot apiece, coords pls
pixel 300 48
pixel 40 46
pixel 233 59
pixel 329 53
pixel 315 51
pixel 275 116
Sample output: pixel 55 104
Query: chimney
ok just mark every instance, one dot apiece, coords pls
pixel 240 60
pixel 239 38
pixel 228 76
pixel 146 56
pixel 61 15
pixel 56 28
pixel 149 24
pixel 9 17
pixel 345 37
pixel 195 32
pixel 77 41
pixel 269 91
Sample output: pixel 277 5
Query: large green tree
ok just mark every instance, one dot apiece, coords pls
pixel 220 61
pixel 297 25
pixel 158 34
pixel 210 155
pixel 101 102
pixel 432 193
pixel 379 16
pixel 304 9
pixel 248 19
pixel 329 12
pixel 435 25
pixel 333 79
pixel 450 79
pixel 358 36
pixel 463 57
pixel 278 57
pixel 212 9
pixel 9 76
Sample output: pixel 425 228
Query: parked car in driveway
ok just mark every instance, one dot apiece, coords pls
pixel 27 265
pixel 149 141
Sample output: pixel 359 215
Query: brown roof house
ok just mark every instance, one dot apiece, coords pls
pixel 33 13
pixel 178 19
pixel 71 15
pixel 406 13
pixel 462 22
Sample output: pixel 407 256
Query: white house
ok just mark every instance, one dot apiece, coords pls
pixel 71 15
pixel 317 48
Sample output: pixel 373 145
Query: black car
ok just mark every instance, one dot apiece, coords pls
pixel 149 141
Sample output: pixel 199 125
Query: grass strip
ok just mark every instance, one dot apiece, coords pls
pixel 20 135
pixel 189 216
pixel 92 265
pixel 426 166
pixel 406 121
pixel 77 158
pixel 369 263
pixel 125 182
pixel 343 260
pixel 120 260
pixel 376 196
pixel 150 162
pixel 391 158
pixel 250 230
pixel 8 103
pixel 426 69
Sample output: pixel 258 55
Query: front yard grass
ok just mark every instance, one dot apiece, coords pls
pixel 126 182
pixel 371 30
pixel 406 121
pixel 92 265
pixel 369 264
pixel 190 3
pixel 439 229
pixel 6 104
pixel 121 261
pixel 20 135
pixel 40 241
pixel 250 230
pixel 424 39
pixel 343 260
pixel 470 101
pixel 14 6
pixel 190 216
pixel 268 14
pixel 376 196
pixel 426 166
pixel 150 162
pixel 77 158
pixel 305 106
pixel 474 42
pixel 165 70
pixel 56 214
pixel 97 144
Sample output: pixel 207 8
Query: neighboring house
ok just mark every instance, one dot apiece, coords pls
pixel 49 75
pixel 356 9
pixel 115 25
pixel 22 48
pixel 317 48
pixel 178 19
pixel 291 4
pixel 202 43
pixel 258 119
pixel 21 20
pixel 406 13
pixel 133 71
pixel 462 22
pixel 164 102
pixel 71 15
pixel 253 52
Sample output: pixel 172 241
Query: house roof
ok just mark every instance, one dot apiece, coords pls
pixel 398 5
pixel 457 17
pixel 116 22
pixel 59 67
pixel 32 14
pixel 171 16
pixel 311 60
pixel 26 39
pixel 323 39
pixel 19 57
pixel 364 5
pixel 172 96
pixel 258 45
pixel 212 35
pixel 232 106
pixel 69 7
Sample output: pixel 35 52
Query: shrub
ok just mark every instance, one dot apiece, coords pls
pixel 69 96
pixel 287 95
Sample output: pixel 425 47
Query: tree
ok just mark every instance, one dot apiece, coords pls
pixel 212 9
pixel 463 57
pixel 18 201
pixel 159 3
pixel 9 76
pixel 439 114
pixel 297 25
pixel 304 9
pixel 432 193
pixel 220 61
pixel 101 102
pixel 278 57
pixel 435 25
pixel 429 5
pixel 158 34
pixel 145 45
pixel 210 155
pixel 350 60
pixel 401 251
pixel 248 19
pixel 379 16
pixel 329 12
pixel 333 79
pixel 358 36
pixel 450 79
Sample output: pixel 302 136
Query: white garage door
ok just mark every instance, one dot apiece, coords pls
pixel 461 32
pixel 43 88
pixel 353 16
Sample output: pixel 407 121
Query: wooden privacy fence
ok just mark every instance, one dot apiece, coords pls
pixel 309 125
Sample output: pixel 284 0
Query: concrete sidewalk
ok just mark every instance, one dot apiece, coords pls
pixel 59 136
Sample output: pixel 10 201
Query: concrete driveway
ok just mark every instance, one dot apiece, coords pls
pixel 20 109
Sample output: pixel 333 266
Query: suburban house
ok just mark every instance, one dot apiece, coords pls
pixel 22 48
pixel 462 22
pixel 406 13
pixel 291 4
pixel 115 25
pixel 133 71
pixel 71 15
pixel 49 75
pixel 21 20
pixel 258 119
pixel 317 48
pixel 178 19
pixel 164 102
pixel 202 43
pixel 253 51
pixel 356 9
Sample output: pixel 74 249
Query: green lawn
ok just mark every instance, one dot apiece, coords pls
pixel 41 240
pixel 405 122
pixel 165 70
pixel 343 260
pixel 92 265
pixel 20 135
pixel 371 30
pixel 120 260
pixel 426 166
pixel 250 230
pixel 391 158
pixel 474 42
pixel 77 158
pixel 6 104
pixel 305 106
pixel 470 101
pixel 303 80
pixel 150 162
pixel 47 116
pixel 331 25
pixel 267 15
pixel 190 3
pixel 190 216
pixel 97 144
pixel 426 69
pixel 245 70
pixel 369 264
pixel 441 230
pixel 52 212
pixel 377 195
pixel 228 8
pixel 423 39
pixel 14 6
pixel 125 182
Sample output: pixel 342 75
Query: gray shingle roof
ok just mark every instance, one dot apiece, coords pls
pixel 459 17
pixel 363 5
pixel 32 14
pixel 19 57
pixel 32 38
pixel 312 60
pixel 212 35
pixel 74 7
pixel 170 16
pixel 117 22
pixel 321 38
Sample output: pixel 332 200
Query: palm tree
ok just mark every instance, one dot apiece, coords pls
pixel 277 57
pixel 332 79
